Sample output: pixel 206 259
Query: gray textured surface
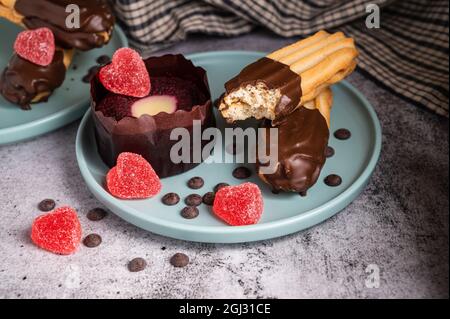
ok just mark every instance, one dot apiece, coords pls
pixel 399 223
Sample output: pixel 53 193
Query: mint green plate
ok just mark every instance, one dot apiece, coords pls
pixel 68 103
pixel 354 161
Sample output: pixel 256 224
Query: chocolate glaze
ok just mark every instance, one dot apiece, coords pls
pixel 95 17
pixel 148 135
pixel 302 140
pixel 22 81
pixel 274 75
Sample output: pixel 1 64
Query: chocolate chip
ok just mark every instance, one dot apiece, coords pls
pixel 303 193
pixel 103 59
pixel 275 191
pixel 342 134
pixel 91 73
pixel 137 264
pixel 189 212
pixel 193 200
pixel 74 67
pixel 329 151
pixel 96 214
pixel 92 240
pixel 208 198
pixel 219 186
pixel 333 180
pixel 242 172
pixel 171 199
pixel 195 182
pixel 46 205
pixel 179 260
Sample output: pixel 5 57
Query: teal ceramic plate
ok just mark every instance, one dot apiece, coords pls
pixel 68 103
pixel 355 160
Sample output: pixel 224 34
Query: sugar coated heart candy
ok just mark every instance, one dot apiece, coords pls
pixel 239 205
pixel 58 231
pixel 126 74
pixel 36 46
pixel 132 178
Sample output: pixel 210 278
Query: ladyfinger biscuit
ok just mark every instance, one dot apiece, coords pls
pixel 302 140
pixel 276 85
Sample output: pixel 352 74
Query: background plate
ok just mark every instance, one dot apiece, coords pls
pixel 354 161
pixel 68 103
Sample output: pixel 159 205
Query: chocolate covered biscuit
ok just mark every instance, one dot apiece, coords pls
pixel 276 85
pixel 302 140
pixel 23 82
pixel 96 20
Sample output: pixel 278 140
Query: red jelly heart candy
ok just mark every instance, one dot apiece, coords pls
pixel 126 74
pixel 239 205
pixel 132 178
pixel 37 46
pixel 58 231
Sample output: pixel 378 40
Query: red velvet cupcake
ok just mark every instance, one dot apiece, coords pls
pixel 123 123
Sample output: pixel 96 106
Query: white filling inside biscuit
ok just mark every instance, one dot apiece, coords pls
pixel 256 101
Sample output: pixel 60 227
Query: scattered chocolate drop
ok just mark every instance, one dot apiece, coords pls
pixel 92 240
pixel 193 200
pixel 275 191
pixel 103 59
pixel 46 205
pixel 96 214
pixel 303 193
pixel 179 260
pixel 208 198
pixel 219 186
pixel 242 172
pixel 329 151
pixel 342 134
pixel 189 212
pixel 137 264
pixel 170 199
pixel 91 73
pixel 196 182
pixel 74 67
pixel 333 180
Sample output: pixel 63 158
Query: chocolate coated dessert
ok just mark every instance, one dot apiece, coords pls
pixel 23 82
pixel 118 131
pixel 272 75
pixel 96 21
pixel 301 155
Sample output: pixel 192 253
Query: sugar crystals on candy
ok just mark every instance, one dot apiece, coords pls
pixel 239 205
pixel 58 231
pixel 126 74
pixel 132 178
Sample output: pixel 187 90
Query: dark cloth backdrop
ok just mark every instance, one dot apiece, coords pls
pixel 408 54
